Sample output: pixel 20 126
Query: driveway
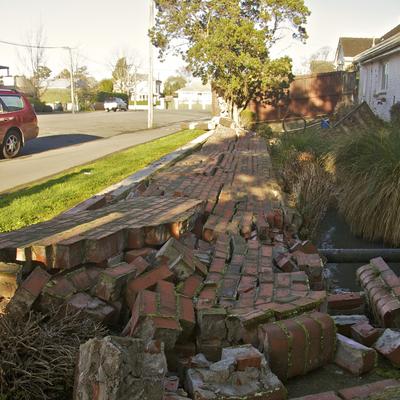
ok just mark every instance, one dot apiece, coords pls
pixel 75 140
pixel 62 130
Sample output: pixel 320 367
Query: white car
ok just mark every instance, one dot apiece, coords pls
pixel 115 104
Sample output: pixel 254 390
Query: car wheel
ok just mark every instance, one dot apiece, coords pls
pixel 107 109
pixel 115 110
pixel 12 144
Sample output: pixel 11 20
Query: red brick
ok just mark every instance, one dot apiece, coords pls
pixel 149 279
pixel 131 255
pixel 186 310
pixel 365 333
pixel 248 361
pixel 298 340
pixel 276 345
pixel 168 304
pixel 371 390
pixel 217 265
pixel 81 279
pixel 36 281
pixel 345 301
pixel 135 238
pixel 192 285
pixel 140 264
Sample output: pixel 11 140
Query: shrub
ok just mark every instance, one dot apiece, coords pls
pixel 39 106
pixel 247 119
pixel 38 354
pixel 368 173
pixel 264 130
pixel 395 114
pixel 103 96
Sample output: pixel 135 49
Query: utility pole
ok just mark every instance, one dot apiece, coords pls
pixel 150 114
pixel 71 61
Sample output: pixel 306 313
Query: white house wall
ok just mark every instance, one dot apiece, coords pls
pixel 370 87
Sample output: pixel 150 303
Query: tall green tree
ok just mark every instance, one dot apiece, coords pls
pixel 172 84
pixel 106 85
pixel 125 75
pixel 228 42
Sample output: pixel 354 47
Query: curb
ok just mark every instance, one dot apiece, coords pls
pixel 120 189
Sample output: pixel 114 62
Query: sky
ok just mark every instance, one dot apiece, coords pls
pixel 101 30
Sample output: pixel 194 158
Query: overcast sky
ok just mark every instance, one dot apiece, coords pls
pixel 100 29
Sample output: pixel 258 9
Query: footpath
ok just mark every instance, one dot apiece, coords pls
pixel 24 170
pixel 210 294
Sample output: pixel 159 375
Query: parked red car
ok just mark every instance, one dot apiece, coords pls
pixel 18 122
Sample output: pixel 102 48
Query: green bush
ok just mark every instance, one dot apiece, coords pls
pixel 264 130
pixel 247 119
pixel 395 114
pixel 103 96
pixel 39 106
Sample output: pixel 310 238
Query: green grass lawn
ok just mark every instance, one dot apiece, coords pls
pixel 44 200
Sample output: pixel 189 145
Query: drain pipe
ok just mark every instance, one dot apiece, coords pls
pixel 359 255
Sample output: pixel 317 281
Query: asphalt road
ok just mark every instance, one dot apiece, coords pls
pixel 67 141
pixel 62 130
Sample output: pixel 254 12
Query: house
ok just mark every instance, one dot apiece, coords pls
pixel 379 69
pixel 140 91
pixel 348 48
pixel 195 95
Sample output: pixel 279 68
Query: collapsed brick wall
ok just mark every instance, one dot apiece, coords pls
pixel 203 258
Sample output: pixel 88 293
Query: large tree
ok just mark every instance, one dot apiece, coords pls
pixel 172 84
pixel 125 74
pixel 228 42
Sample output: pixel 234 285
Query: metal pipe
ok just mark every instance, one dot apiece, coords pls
pixel 359 255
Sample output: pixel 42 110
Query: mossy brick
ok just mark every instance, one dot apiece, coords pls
pixel 92 307
pixel 211 323
pixel 112 281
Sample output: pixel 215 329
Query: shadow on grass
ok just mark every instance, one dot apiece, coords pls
pixel 7 198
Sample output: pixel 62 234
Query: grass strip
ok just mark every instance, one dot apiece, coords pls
pixel 44 200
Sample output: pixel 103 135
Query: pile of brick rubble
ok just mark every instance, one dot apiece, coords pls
pixel 203 280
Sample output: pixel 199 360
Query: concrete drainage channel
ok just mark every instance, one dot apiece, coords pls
pixel 196 269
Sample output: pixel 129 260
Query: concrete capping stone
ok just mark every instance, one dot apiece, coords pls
pixel 120 189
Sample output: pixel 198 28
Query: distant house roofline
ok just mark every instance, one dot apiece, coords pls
pixel 382 49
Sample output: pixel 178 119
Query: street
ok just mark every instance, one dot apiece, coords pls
pixel 62 130
pixel 66 141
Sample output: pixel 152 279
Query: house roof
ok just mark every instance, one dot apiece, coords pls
pixel 382 49
pixel 391 33
pixel 353 46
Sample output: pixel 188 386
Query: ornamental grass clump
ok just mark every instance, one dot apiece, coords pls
pixel 302 163
pixel 368 177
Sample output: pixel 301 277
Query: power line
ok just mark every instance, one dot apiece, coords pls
pixel 69 49
pixel 32 46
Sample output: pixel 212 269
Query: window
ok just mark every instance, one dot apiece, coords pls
pixel 13 103
pixel 385 76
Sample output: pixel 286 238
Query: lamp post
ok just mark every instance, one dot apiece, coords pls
pixel 150 114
